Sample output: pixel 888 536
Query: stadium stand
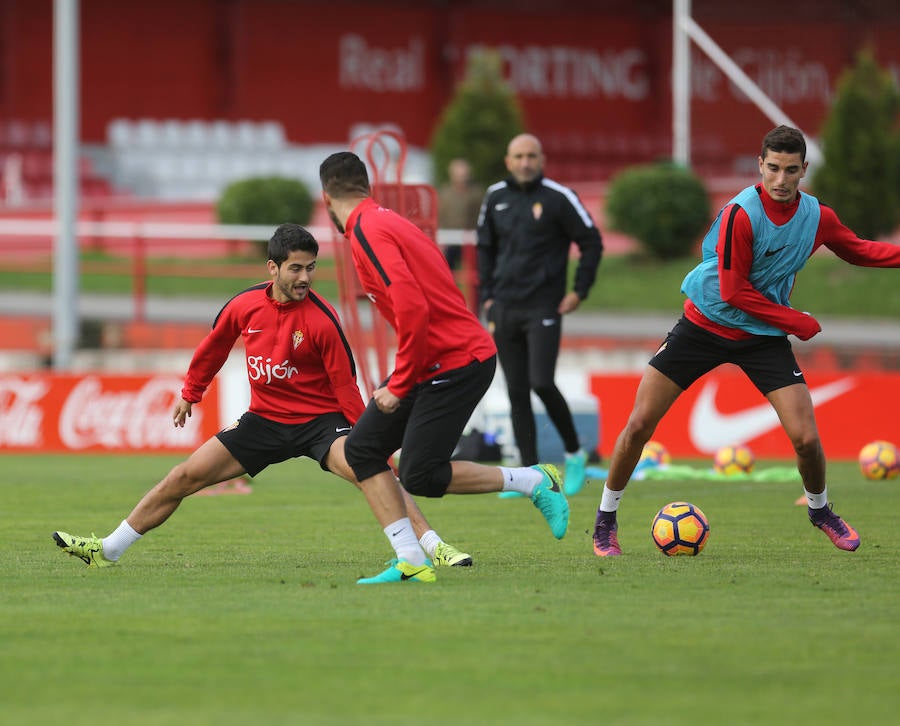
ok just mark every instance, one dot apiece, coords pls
pixel 194 159
pixel 183 160
pixel 26 164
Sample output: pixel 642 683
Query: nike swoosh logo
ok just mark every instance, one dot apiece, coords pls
pixel 547 322
pixel 254 330
pixel 500 207
pixel 710 429
pixel 769 253
pixel 343 428
pixel 438 381
pixel 404 576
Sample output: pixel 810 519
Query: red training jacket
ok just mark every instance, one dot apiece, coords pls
pixel 298 361
pixel 407 277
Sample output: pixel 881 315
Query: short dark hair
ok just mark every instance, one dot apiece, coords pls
pixel 784 140
pixel 290 238
pixel 344 174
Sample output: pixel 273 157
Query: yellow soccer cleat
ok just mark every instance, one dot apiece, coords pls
pixel 87 549
pixel 446 555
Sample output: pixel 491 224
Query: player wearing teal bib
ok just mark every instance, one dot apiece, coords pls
pixel 737 311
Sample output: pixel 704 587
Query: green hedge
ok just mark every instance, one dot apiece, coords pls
pixel 664 206
pixel 271 200
pixel 265 200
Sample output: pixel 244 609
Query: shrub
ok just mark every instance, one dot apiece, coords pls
pixel 664 206
pixel 265 200
pixel 860 177
pixel 478 123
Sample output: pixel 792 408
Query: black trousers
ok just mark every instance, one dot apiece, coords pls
pixel 528 347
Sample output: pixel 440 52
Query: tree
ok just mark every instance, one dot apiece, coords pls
pixel 860 176
pixel 479 121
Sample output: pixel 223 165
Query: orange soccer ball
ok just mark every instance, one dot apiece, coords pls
pixel 656 453
pixel 680 528
pixel 879 460
pixel 734 460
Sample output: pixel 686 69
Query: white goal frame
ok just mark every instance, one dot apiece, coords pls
pixel 684 30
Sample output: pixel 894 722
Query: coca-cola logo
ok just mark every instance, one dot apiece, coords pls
pixel 125 419
pixel 21 415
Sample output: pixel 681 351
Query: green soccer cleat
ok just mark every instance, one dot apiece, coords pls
pixel 401 571
pixel 446 555
pixel 549 498
pixel 576 464
pixel 87 549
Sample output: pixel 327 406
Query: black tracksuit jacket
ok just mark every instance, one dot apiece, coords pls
pixel 524 236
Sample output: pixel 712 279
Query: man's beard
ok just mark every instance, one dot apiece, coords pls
pixel 340 227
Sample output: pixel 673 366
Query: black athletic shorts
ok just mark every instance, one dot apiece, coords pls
pixel 689 351
pixel 427 427
pixel 257 442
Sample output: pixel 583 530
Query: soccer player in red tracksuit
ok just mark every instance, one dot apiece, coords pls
pixel 737 311
pixel 444 363
pixel 304 400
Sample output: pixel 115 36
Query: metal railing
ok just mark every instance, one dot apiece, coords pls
pixel 28 244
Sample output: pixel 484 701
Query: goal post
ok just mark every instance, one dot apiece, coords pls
pixel 684 30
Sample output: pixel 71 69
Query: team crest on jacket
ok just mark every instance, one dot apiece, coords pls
pixel 537 209
pixel 297 337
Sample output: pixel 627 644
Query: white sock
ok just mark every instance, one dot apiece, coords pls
pixel 521 479
pixel 429 541
pixel 403 539
pixel 817 501
pixel 119 540
pixel 609 502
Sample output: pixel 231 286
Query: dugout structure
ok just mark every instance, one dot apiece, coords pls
pixel 371 338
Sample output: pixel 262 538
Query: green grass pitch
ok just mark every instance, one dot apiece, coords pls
pixel 244 609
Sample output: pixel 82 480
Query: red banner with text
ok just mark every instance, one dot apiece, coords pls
pixel 100 413
pixel 724 408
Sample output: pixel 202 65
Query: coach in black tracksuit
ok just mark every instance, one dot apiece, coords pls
pixel 525 229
